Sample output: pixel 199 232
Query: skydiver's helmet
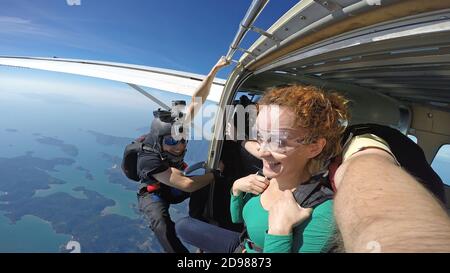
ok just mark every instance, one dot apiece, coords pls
pixel 166 123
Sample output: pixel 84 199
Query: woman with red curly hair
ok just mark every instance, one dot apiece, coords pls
pixel 299 129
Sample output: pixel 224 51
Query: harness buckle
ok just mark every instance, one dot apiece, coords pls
pixel 252 245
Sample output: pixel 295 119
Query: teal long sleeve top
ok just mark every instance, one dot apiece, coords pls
pixel 314 235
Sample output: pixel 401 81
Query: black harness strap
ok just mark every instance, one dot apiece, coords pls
pixel 307 195
pixel 314 193
pixel 148 148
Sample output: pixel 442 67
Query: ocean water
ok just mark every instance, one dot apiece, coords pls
pixel 69 130
pixel 30 234
pixel 17 237
pixel 26 115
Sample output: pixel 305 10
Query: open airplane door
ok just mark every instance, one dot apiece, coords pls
pixel 389 58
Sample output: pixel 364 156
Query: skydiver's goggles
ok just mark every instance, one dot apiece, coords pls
pixel 280 141
pixel 170 141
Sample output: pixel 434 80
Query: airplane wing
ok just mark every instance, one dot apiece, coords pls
pixel 135 75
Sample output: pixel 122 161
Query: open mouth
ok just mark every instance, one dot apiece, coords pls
pixel 272 165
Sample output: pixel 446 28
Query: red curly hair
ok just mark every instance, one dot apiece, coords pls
pixel 322 114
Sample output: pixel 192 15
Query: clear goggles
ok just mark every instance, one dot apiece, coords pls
pixel 279 141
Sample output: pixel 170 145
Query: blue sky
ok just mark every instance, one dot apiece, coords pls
pixel 177 34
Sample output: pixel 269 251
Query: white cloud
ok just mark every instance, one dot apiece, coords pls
pixel 17 26
pixel 13 20
pixel 78 91
pixel 69 33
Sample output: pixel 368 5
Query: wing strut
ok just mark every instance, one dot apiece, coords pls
pixel 247 24
pixel 143 92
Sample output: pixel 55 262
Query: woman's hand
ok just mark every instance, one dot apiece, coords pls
pixel 203 90
pixel 253 183
pixel 221 63
pixel 285 214
pixel 252 147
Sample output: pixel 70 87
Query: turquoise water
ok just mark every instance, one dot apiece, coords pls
pixel 30 234
pixel 112 109
pixel 69 120
pixel 89 157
